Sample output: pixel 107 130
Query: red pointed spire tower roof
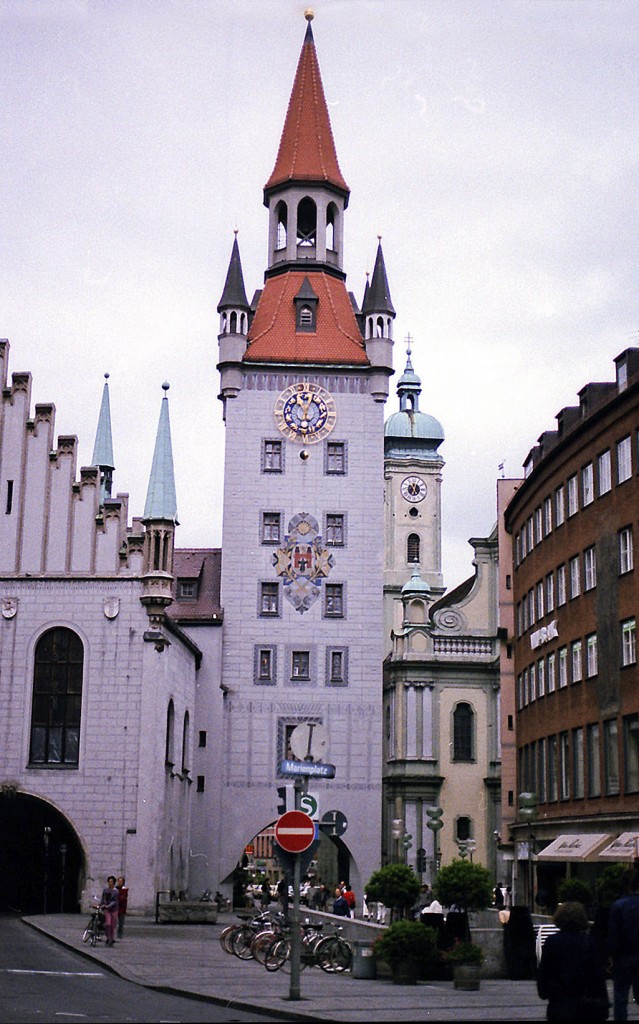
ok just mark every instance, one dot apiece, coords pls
pixel 307 149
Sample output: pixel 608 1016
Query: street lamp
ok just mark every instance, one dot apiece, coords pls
pixel 528 812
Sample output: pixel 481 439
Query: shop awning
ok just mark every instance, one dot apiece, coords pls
pixel 581 846
pixel 626 847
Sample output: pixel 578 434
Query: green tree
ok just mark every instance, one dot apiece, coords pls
pixel 467 885
pixel 574 890
pixel 395 885
pixel 611 884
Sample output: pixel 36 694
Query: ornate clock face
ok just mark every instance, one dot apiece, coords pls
pixel 413 488
pixel 305 412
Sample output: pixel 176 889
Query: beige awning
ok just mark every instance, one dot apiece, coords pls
pixel 626 847
pixel 582 846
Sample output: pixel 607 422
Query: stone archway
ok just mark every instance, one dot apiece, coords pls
pixel 40 871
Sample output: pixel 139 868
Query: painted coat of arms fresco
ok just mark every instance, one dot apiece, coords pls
pixel 302 562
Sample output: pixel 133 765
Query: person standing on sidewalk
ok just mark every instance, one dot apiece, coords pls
pixel 623 947
pixel 123 899
pixel 109 904
pixel 570 975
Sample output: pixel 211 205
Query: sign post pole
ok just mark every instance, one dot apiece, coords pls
pixel 295 833
pixel 301 785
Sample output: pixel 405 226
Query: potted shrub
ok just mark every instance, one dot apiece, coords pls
pixel 465 885
pixel 465 959
pixel 574 890
pixel 410 950
pixel 396 886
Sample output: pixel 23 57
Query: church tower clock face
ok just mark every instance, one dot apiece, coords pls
pixel 413 488
pixel 305 412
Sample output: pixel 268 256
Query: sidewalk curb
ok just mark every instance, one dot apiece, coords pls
pixel 130 976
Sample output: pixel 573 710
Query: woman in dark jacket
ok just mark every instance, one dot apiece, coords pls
pixel 570 974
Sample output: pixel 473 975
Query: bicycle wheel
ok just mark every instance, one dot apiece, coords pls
pixel 226 937
pixel 241 943
pixel 277 955
pixel 94 937
pixel 342 955
pixel 86 935
pixel 260 945
pixel 326 954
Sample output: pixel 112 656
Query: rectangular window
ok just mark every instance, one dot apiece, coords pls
pixel 592 666
pixel 202 738
pixel 611 758
pixel 540 599
pixel 530 537
pixel 631 753
pixel 603 472
pixel 547 516
pixel 272 457
pixel 265 665
pixel 541 771
pixel 564 767
pixel 552 673
pixel 531 607
pixel 560 509
pixel 533 683
pixel 9 504
pixel 187 590
pixel 563 667
pixel 335 458
pixel 575 577
pixel 578 780
pixel 199 787
pixel 552 769
pixel 587 485
pixel 271 527
pixel 522 536
pixel 269 599
pixel 590 568
pixel 626 556
pixel 573 496
pixel 541 677
pixel 594 763
pixel 334 600
pixel 624 460
pixel 337 666
pixel 300 665
pixel 561 585
pixel 335 533
pixel 628 642
pixel 576 661
pixel 550 592
pixel 538 525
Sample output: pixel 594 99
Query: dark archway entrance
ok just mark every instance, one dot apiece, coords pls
pixel 40 871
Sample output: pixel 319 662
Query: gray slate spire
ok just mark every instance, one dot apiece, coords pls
pixel 161 501
pixel 103 447
pixel 377 298
pixel 234 294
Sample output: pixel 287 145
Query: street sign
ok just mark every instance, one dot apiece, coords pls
pixel 334 823
pixel 323 771
pixel 295 831
pixel 308 804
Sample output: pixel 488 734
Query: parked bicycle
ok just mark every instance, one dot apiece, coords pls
pixel 312 941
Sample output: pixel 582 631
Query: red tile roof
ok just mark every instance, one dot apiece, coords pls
pixel 273 337
pixel 203 565
pixel 307 149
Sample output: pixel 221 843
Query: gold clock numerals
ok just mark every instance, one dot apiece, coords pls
pixel 413 488
pixel 305 412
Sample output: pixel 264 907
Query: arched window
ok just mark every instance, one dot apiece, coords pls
pixel 169 756
pixel 233 322
pixel 282 217
pixel 463 721
pixel 185 744
pixel 463 828
pixel 330 225
pixel 306 222
pixel 412 548
pixel 379 327
pixel 57 698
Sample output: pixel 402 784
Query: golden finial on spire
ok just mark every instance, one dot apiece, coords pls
pixel 309 13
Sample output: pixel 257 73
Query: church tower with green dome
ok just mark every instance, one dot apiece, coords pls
pixel 413 477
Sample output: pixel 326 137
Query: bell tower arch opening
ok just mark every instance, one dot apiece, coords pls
pixel 42 863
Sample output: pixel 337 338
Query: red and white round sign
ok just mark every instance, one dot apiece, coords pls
pixel 295 831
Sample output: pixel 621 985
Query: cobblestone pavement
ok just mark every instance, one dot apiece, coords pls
pixel 189 959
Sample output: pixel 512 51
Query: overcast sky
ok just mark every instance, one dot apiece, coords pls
pixel 493 144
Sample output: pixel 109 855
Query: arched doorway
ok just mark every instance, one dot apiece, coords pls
pixel 41 859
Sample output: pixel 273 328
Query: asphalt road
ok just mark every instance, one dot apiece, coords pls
pixel 41 982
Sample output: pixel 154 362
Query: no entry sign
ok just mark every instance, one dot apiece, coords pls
pixel 295 831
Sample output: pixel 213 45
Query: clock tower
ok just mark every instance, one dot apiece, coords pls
pixel 412 508
pixel 303 380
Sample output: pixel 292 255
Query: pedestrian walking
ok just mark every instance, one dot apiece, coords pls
pixel 349 896
pixel 622 947
pixel 109 904
pixel 571 976
pixel 340 906
pixel 123 902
